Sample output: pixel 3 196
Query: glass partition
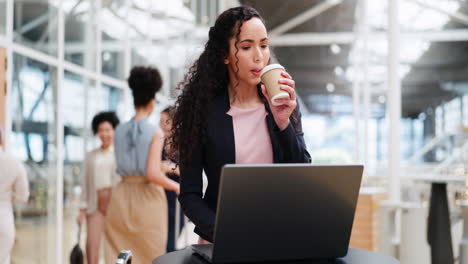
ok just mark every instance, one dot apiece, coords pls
pixel 2 17
pixel 80 32
pixel 113 17
pixel 76 134
pixel 34 137
pixel 36 25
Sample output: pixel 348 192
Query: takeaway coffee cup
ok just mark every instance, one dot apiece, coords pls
pixel 270 76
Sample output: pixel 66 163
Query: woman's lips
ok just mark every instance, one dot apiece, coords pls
pixel 256 72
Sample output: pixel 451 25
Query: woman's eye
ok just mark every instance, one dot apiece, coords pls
pixel 264 46
pixel 245 48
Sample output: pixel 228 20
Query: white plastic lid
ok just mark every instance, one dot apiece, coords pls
pixel 282 95
pixel 271 67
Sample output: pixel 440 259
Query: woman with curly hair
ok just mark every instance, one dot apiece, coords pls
pixel 98 179
pixel 137 214
pixel 224 115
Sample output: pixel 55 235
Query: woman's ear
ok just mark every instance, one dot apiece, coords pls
pixel 226 57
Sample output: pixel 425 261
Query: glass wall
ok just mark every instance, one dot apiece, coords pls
pixel 2 17
pixel 81 32
pixel 35 25
pixel 114 14
pixel 74 120
pixel 102 40
pixel 434 80
pixel 34 137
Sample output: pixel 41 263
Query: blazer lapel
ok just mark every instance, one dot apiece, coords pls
pixel 225 129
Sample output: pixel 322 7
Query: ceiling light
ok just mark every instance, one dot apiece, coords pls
pixel 106 56
pixel 330 87
pixel 425 46
pixel 339 71
pixel 381 99
pixel 335 49
pixel 422 116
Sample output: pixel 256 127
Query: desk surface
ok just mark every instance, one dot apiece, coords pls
pixel 440 179
pixel 355 256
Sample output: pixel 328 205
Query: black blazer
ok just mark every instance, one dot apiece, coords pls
pixel 288 147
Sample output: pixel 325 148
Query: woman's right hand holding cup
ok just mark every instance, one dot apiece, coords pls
pixel 279 89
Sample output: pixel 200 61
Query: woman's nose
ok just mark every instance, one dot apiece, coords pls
pixel 258 54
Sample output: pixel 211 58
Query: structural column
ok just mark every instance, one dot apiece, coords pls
pixel 394 101
pixel 3 91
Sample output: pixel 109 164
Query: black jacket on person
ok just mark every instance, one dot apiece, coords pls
pixel 219 149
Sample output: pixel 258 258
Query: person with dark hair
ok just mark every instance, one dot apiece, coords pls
pixel 137 214
pixel 224 114
pixel 170 168
pixel 98 179
pixel 109 117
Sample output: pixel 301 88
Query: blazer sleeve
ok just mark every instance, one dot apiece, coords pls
pixel 292 143
pixel 191 196
pixel 21 185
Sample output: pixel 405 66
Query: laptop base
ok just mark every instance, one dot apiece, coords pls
pixel 205 252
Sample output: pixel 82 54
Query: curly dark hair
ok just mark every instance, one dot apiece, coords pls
pixel 144 82
pixel 207 78
pixel 102 117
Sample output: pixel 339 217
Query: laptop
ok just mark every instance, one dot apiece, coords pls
pixel 280 212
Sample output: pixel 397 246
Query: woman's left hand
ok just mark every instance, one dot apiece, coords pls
pixel 281 113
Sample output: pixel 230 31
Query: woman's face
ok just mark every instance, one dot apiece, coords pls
pixel 253 52
pixel 106 133
pixel 165 123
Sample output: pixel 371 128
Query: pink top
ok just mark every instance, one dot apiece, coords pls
pixel 251 137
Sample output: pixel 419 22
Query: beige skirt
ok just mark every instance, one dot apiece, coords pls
pixel 136 220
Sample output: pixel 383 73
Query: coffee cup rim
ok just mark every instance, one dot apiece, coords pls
pixel 271 67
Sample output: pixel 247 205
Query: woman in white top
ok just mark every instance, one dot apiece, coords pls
pixel 99 176
pixel 13 188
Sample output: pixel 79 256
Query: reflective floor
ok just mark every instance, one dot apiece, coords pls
pixel 34 240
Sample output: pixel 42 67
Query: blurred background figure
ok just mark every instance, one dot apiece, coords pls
pixel 137 218
pixel 99 176
pixel 14 188
pixel 172 171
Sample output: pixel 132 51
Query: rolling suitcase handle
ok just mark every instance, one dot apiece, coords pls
pixel 125 257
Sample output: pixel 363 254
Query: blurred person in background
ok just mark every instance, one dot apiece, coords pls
pixel 99 177
pixel 14 188
pixel 137 214
pixel 171 170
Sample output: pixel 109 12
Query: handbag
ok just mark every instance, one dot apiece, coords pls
pixel 76 255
